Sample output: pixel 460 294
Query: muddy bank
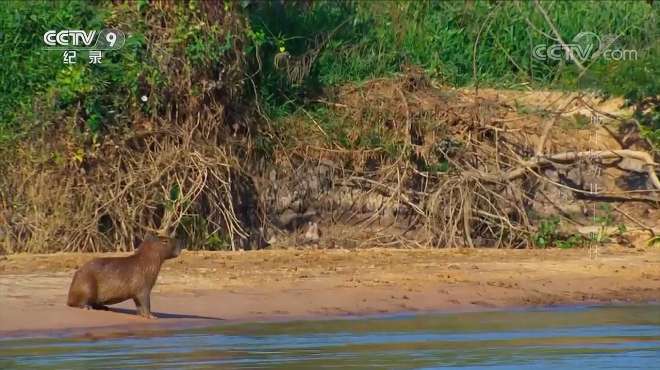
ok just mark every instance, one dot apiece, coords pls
pixel 206 288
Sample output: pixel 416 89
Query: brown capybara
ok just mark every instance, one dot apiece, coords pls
pixel 110 280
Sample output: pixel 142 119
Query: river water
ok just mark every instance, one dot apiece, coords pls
pixel 609 337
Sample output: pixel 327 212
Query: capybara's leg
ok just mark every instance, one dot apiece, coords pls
pixel 96 306
pixel 143 305
pixel 138 306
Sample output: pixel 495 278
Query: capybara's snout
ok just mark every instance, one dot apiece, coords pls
pixel 177 245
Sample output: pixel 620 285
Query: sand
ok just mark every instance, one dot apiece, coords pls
pixel 210 288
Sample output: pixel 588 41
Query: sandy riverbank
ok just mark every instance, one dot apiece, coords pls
pixel 204 288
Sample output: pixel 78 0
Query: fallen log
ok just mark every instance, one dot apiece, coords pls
pixel 541 161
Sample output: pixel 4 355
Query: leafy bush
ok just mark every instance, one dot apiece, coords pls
pixel 441 36
pixel 27 68
pixel 355 41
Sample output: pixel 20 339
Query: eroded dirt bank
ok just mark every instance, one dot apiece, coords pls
pixel 202 288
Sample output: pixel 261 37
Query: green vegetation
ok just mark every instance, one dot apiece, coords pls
pixel 547 232
pixel 548 235
pixel 38 84
pixel 348 41
pixel 442 36
pixel 27 69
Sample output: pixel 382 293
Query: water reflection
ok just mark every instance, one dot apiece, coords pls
pixel 598 337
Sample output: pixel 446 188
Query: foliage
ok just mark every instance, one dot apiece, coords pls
pixel 103 91
pixel 89 127
pixel 441 36
pixel 27 68
pixel 548 235
pixel 356 41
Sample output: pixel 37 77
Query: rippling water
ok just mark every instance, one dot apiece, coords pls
pixel 580 338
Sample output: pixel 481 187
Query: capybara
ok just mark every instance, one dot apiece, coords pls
pixel 110 280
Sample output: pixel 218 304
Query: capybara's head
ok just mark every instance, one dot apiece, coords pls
pixel 163 246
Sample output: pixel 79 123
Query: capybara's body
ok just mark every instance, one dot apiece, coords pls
pixel 110 280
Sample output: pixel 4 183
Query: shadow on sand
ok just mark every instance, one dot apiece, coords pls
pixel 163 315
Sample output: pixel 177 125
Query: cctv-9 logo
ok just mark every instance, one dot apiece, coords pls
pixel 110 39
pixel 106 39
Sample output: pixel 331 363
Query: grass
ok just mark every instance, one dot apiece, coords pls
pixel 28 69
pixel 372 39
pixel 441 36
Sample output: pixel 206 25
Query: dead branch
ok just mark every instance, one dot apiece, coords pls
pixel 572 157
pixel 549 124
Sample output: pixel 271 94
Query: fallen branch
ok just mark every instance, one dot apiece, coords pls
pixel 636 221
pixel 548 126
pixel 572 157
pixel 609 197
